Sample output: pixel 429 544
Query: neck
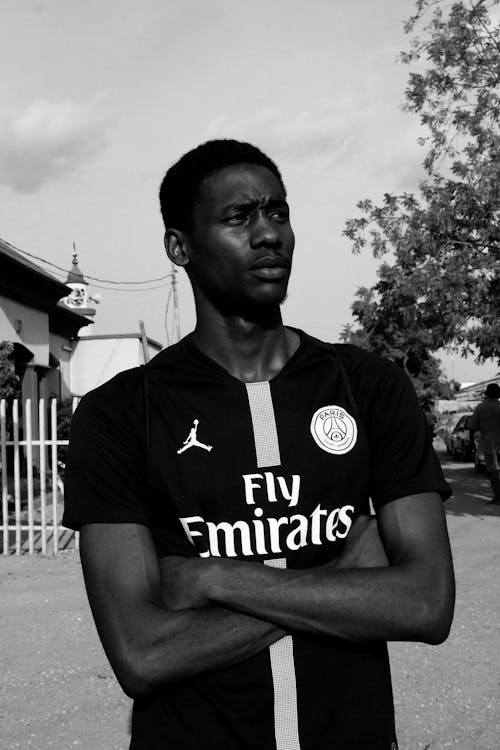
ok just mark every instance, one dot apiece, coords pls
pixel 252 347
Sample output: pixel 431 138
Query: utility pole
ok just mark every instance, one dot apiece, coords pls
pixel 172 317
pixel 144 341
pixel 176 321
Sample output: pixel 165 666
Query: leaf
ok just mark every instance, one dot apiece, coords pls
pixel 442 285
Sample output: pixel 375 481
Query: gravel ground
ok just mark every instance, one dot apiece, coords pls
pixel 57 690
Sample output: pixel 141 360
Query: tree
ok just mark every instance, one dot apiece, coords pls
pixel 9 381
pixel 443 287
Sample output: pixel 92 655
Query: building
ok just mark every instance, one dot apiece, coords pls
pixel 50 325
pixel 97 359
pixel 40 327
pixel 475 391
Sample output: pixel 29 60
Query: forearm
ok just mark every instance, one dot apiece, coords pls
pixel 183 644
pixel 357 604
pixel 148 643
pixel 401 590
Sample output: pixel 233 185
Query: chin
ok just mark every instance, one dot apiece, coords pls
pixel 258 309
pixel 269 303
pixel 255 303
pixel 272 295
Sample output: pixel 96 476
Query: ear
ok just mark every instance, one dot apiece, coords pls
pixel 175 245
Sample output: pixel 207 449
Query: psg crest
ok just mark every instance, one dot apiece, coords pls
pixel 334 429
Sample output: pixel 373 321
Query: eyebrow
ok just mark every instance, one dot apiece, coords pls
pixel 250 204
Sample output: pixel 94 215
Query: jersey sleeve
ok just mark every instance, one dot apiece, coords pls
pixel 105 476
pixel 402 459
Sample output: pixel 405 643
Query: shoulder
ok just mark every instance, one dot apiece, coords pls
pixel 366 369
pixel 123 396
pixel 362 362
pixel 169 359
pixel 115 393
pixel 353 357
pixel 116 407
pixel 482 408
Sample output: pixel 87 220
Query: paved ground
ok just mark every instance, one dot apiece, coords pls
pixel 449 695
pixel 57 691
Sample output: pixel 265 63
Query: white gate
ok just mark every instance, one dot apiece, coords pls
pixel 32 483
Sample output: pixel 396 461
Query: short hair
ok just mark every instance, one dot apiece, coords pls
pixel 180 188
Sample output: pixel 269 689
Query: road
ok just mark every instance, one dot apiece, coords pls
pixel 57 690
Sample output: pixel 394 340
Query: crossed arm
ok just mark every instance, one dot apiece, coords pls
pixel 164 621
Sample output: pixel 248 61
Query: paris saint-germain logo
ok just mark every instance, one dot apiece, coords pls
pixel 334 429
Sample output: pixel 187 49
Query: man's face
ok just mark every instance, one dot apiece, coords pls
pixel 241 244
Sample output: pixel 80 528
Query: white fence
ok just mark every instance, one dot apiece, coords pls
pixel 32 485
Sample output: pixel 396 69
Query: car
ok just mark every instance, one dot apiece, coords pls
pixel 462 439
pixel 445 429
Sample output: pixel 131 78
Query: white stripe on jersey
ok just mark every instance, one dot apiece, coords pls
pixel 286 723
pixel 264 425
pixel 286 720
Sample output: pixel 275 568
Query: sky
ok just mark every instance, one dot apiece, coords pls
pixel 98 99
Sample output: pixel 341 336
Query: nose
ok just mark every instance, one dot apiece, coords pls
pixel 265 232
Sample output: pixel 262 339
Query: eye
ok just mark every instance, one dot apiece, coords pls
pixel 280 214
pixel 238 217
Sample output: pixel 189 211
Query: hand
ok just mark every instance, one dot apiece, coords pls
pixel 363 547
pixel 185 581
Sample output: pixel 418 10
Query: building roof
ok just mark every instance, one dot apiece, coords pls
pixel 476 390
pixel 152 342
pixel 25 282
pixel 11 252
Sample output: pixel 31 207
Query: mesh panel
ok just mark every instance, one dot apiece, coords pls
pixel 286 724
pixel 264 424
pixel 267 450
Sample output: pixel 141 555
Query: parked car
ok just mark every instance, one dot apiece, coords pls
pixel 462 439
pixel 446 428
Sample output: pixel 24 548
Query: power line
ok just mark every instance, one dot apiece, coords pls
pixel 94 278
pixel 140 289
pixel 114 288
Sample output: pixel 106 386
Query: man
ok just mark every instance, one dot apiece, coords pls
pixel 247 443
pixel 486 419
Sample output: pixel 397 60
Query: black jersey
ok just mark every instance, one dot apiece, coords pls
pixel 273 472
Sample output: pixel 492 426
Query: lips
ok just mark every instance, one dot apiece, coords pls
pixel 270 261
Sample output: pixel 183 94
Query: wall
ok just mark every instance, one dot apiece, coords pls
pixel 96 361
pixel 34 333
pixel 59 381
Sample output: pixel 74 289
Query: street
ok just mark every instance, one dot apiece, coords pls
pixel 57 690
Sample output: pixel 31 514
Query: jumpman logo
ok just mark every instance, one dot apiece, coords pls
pixel 192 441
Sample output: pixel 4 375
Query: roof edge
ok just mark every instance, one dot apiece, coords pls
pixel 93 336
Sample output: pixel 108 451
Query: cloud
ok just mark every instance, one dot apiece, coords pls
pixel 49 140
pixel 494 14
pixel 358 134
pixel 399 160
pixel 306 135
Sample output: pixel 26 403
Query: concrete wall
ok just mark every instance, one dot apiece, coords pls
pixel 33 328
pixel 59 381
pixel 95 361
